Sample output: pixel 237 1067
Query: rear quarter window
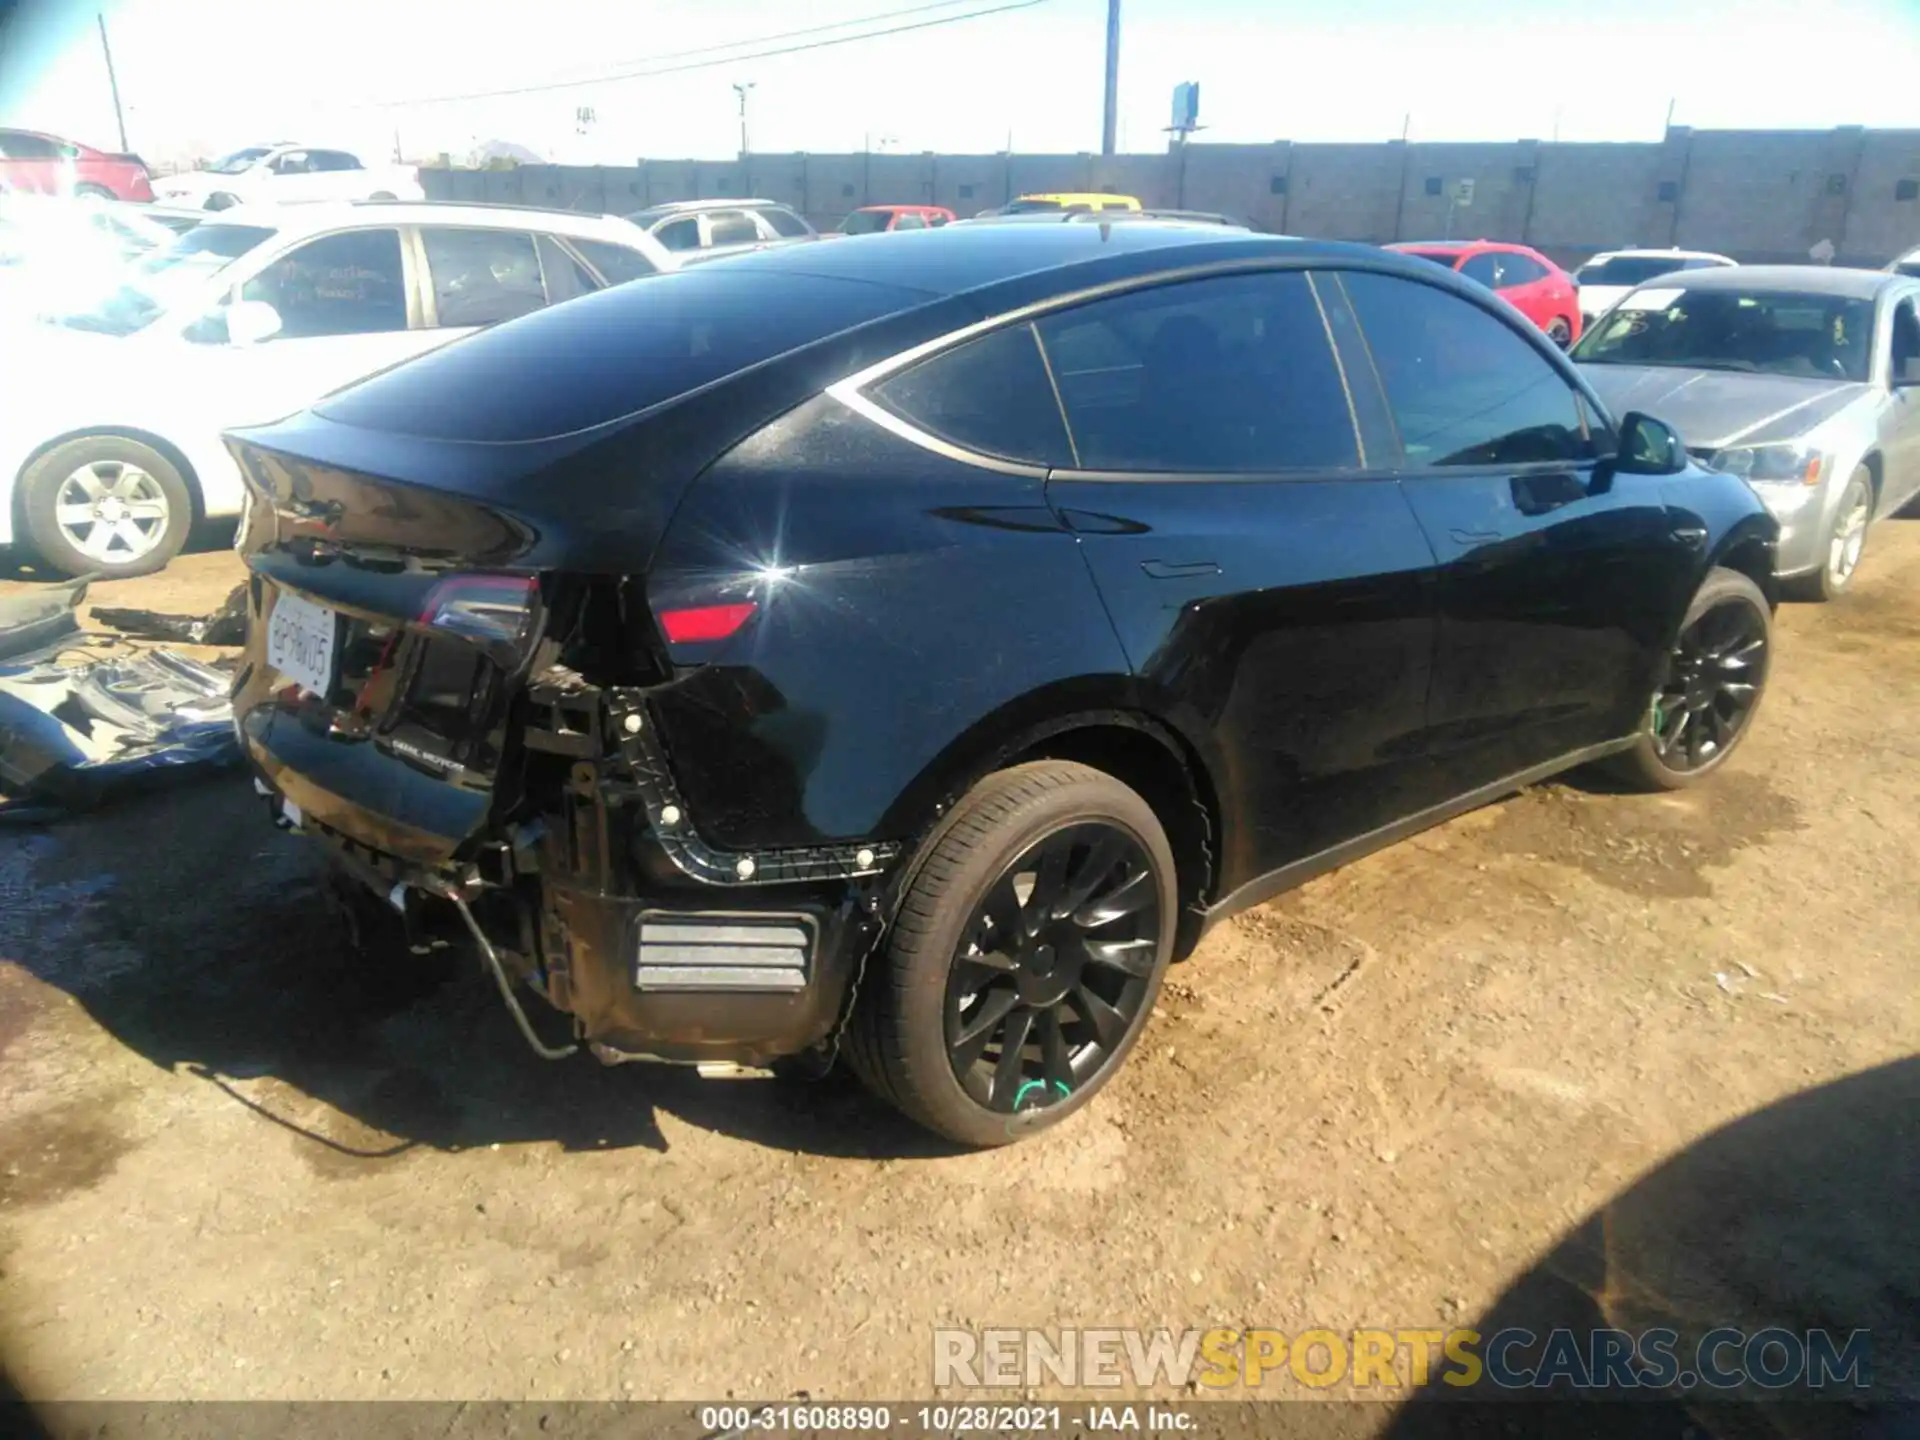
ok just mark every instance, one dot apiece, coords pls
pixel 990 395
pixel 603 356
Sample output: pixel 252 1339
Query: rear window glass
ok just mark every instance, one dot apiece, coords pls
pixel 609 354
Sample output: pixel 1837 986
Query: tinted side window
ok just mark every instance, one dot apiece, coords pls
pixel 16 146
pixel 566 277
pixel 616 263
pixel 989 395
pixel 481 277
pixel 784 222
pixel 732 227
pixel 1233 374
pixel 909 221
pixel 681 234
pixel 333 160
pixel 1484 267
pixel 1519 270
pixel 347 284
pixel 1463 387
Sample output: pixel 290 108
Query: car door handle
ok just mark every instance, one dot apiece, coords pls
pixel 1691 536
pixel 1178 569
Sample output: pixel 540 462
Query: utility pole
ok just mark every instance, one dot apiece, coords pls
pixel 1112 117
pixel 741 91
pixel 105 49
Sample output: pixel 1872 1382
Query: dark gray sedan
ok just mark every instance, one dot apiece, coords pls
pixel 1803 380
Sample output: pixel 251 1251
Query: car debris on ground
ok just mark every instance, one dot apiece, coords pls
pixel 77 726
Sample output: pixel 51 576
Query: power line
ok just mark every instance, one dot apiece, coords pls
pixel 729 59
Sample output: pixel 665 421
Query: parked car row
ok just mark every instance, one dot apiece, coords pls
pixel 900 650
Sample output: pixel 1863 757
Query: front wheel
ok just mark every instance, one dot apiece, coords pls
pixel 106 506
pixel 1715 678
pixel 1025 958
pixel 1845 541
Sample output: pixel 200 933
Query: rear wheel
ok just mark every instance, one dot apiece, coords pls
pixel 1025 958
pixel 381 195
pixel 1715 679
pixel 1846 540
pixel 221 200
pixel 93 192
pixel 105 505
pixel 1560 331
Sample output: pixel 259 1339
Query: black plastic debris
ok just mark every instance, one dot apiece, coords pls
pixel 226 625
pixel 74 731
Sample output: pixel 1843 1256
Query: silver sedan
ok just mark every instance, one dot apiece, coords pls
pixel 1801 379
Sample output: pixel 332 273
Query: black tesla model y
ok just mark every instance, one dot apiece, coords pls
pixel 900 650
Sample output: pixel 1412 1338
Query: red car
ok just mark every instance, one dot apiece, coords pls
pixel 1526 279
pixel 48 165
pixel 872 219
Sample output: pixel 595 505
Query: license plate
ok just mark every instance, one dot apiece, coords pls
pixel 300 642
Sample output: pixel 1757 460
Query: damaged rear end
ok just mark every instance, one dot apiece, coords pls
pixel 468 726
pixel 454 660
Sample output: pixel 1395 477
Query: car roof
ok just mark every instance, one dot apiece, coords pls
pixel 907 208
pixel 668 207
pixel 1654 252
pixel 1462 247
pixel 1837 280
pixel 335 215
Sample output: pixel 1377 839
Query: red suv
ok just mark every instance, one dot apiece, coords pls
pixel 1526 279
pixel 872 219
pixel 48 165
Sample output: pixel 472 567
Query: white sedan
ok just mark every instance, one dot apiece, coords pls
pixel 110 443
pixel 287 175
pixel 1605 280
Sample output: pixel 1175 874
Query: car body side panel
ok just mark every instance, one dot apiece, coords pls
pixel 915 596
pixel 1290 620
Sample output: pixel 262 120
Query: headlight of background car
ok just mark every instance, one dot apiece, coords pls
pixel 1773 464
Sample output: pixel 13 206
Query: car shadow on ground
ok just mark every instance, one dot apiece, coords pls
pixel 200 937
pixel 1798 1216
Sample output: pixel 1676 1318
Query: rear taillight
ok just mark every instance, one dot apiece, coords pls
pixel 495 612
pixel 705 622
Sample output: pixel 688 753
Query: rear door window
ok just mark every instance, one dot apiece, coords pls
pixel 1235 374
pixel 481 277
pixel 784 222
pixel 989 395
pixel 908 221
pixel 732 227
pixel 565 277
pixel 352 283
pixel 1464 388
pixel 616 263
pixel 681 234
pixel 1486 267
pixel 1519 270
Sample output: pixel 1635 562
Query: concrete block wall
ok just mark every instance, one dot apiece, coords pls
pixel 1756 195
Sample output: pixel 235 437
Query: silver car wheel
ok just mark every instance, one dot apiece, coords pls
pixel 1849 535
pixel 112 512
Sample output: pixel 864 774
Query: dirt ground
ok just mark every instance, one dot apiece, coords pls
pixel 232 1166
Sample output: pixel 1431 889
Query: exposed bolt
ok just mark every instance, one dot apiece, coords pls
pixel 744 869
pixel 864 859
pixel 633 723
pixel 669 814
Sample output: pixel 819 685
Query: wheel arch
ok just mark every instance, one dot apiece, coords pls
pixel 167 450
pixel 1749 550
pixel 1108 729
pixel 1876 473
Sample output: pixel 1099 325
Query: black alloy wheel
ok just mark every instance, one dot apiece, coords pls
pixel 1716 676
pixel 1023 957
pixel 1054 967
pixel 1717 670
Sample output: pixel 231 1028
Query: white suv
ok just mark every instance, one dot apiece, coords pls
pixel 1604 280
pixel 110 441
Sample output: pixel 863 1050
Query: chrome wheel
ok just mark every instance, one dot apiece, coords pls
pixel 1054 968
pixel 1714 680
pixel 112 512
pixel 1849 534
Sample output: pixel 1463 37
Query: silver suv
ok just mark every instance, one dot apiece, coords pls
pixel 708 229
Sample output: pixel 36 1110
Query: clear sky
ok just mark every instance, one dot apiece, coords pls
pixel 211 74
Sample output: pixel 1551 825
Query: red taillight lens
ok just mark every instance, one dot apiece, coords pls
pixel 486 609
pixel 705 622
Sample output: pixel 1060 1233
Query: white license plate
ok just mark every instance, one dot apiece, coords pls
pixel 300 642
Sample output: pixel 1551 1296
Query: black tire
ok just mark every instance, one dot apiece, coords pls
pixel 381 195
pixel 1841 563
pixel 111 458
pixel 221 200
pixel 93 192
pixel 900 1036
pixel 1653 764
pixel 1560 331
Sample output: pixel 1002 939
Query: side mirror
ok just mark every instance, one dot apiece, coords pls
pixel 251 321
pixel 1649 447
